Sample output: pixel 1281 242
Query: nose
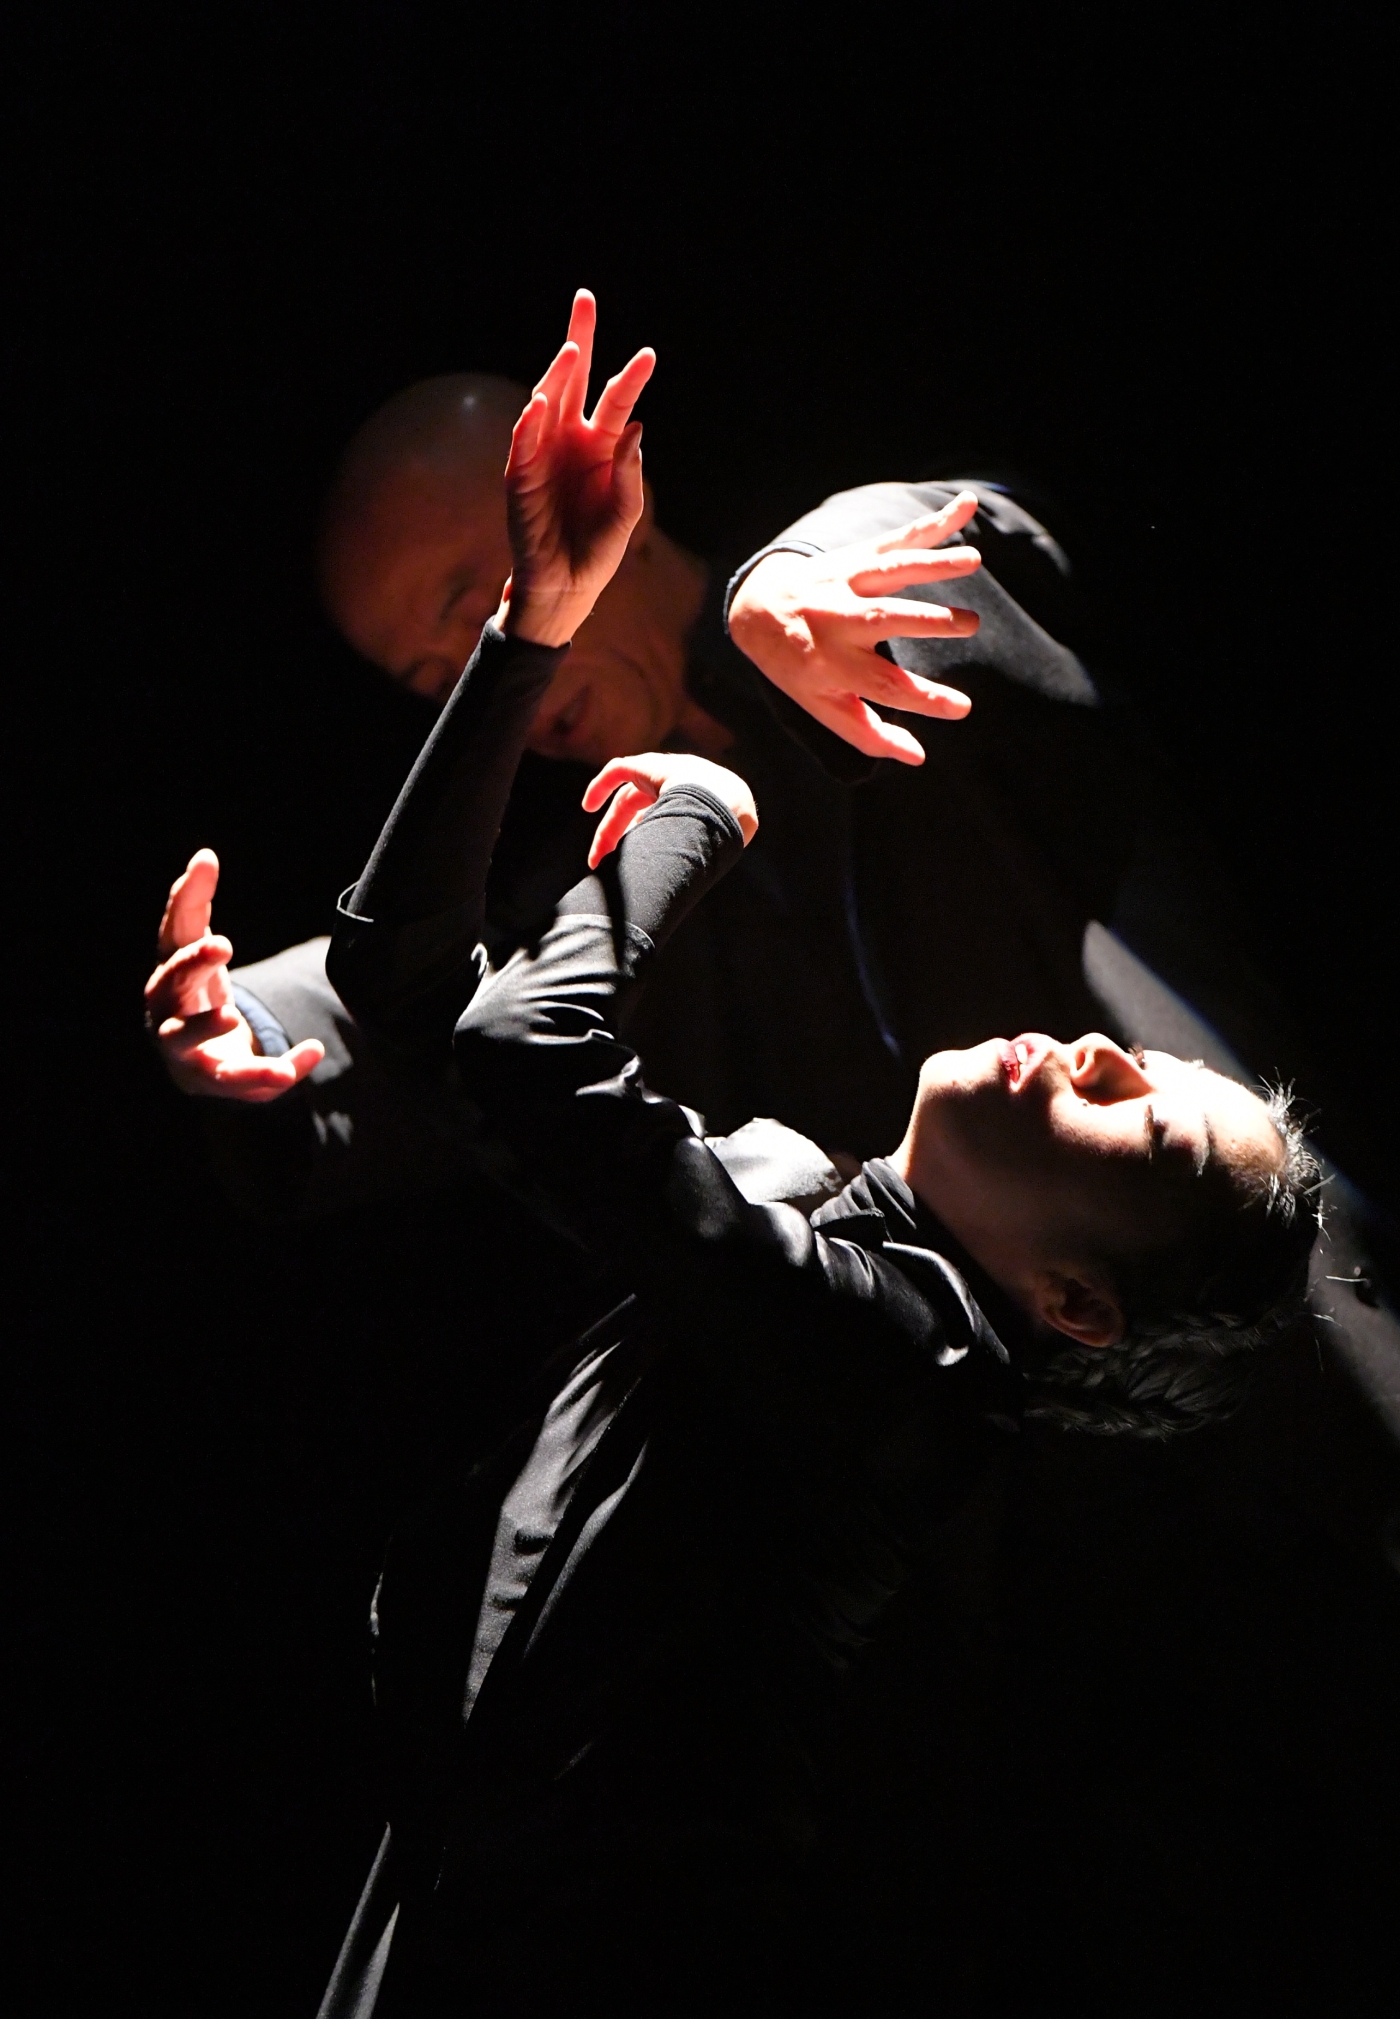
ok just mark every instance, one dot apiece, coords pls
pixel 1102 1071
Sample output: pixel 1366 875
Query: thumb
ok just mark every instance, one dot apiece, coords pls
pixel 191 902
pixel 628 494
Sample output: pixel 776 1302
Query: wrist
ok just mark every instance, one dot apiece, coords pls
pixel 774 564
pixel 547 621
pixel 532 630
pixel 724 788
pixel 761 615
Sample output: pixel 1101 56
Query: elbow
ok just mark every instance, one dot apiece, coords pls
pixel 350 969
pixel 343 966
pixel 405 1004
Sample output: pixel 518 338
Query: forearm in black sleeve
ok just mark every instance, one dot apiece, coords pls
pixel 541 1037
pixel 546 1023
pixel 618 1168
pixel 663 868
pixel 402 955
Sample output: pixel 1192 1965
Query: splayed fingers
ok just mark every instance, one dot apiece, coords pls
pixel 573 487
pixel 214 1056
pixel 812 625
pixel 933 528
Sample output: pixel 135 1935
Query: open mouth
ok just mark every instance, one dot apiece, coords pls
pixel 1019 1059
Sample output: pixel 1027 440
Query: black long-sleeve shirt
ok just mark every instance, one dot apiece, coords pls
pixel 618 1687
pixel 894 910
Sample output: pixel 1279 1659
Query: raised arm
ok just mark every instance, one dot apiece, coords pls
pixel 402 957
pixel 816 1336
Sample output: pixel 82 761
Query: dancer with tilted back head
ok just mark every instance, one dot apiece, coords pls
pixel 607 1668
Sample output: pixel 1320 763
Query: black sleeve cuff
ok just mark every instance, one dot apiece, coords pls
pixel 661 870
pixel 741 575
pixel 272 1041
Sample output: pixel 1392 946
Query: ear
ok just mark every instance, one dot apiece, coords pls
pixel 1080 1304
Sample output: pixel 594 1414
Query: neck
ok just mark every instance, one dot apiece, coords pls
pixel 923 1172
pixel 1006 1315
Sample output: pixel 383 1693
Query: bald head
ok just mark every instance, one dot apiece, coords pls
pixel 414 553
pixel 453 425
pixel 413 548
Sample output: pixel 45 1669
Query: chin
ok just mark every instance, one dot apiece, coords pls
pixel 965 1074
pixel 965 1106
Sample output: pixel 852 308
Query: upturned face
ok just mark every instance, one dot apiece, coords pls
pixel 1046 1155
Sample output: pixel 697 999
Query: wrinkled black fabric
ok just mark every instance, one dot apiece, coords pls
pixel 617 1779
pixel 690 845
pixel 628 1811
pixel 435 850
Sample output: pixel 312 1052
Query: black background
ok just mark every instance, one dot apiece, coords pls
pixel 1128 256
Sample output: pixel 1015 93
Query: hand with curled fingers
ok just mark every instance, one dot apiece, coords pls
pixel 811 622
pixel 205 1042
pixel 573 488
pixel 638 782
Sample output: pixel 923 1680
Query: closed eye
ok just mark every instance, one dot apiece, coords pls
pixel 467 582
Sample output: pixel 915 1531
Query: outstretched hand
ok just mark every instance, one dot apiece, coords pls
pixel 811 622
pixel 205 1041
pixel 573 488
pixel 639 782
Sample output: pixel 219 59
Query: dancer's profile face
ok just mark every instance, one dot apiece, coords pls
pixel 1041 1154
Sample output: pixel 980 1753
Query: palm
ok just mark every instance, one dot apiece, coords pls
pixel 564 514
pixel 211 1063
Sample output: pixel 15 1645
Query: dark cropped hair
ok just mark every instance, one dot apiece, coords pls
pixel 1198 1313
